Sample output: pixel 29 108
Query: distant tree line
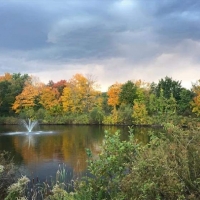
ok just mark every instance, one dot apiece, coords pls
pixel 80 101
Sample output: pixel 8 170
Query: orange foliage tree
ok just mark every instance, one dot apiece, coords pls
pixel 6 77
pixel 29 96
pixel 26 99
pixel 113 95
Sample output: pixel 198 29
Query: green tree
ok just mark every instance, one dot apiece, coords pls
pixel 10 87
pixel 168 86
pixel 105 107
pixel 4 100
pixel 183 105
pixel 162 106
pixel 128 93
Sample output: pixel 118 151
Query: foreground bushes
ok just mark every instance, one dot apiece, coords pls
pixel 166 168
pixel 8 173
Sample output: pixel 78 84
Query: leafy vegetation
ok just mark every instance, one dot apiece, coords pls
pixel 79 100
pixel 8 172
pixel 168 167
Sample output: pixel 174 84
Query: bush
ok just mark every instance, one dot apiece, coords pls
pixel 81 119
pixel 125 114
pixel 18 189
pixel 110 168
pixel 168 167
pixel 7 172
pixel 8 120
pixel 96 116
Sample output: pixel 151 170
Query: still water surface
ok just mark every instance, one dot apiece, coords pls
pixel 39 153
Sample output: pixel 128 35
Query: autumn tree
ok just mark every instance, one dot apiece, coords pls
pixel 49 99
pixel 113 95
pixel 29 97
pixel 26 99
pixel 140 114
pixel 6 77
pixel 195 103
pixel 79 95
pixel 60 85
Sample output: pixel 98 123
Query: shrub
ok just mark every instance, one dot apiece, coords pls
pixel 96 115
pixel 17 190
pixel 110 168
pixel 81 119
pixel 7 172
pixel 168 167
pixel 125 114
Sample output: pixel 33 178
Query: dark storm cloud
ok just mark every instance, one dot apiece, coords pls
pixel 36 33
pixel 175 20
pixel 59 29
pixel 22 26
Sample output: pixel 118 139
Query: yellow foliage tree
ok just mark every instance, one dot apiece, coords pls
pixel 79 95
pixel 140 114
pixel 49 97
pixel 69 100
pixel 196 105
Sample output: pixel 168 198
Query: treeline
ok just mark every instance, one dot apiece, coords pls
pixel 80 101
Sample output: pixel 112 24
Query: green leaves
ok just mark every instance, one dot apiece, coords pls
pixel 128 93
pixel 111 166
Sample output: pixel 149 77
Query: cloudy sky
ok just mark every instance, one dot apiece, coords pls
pixel 114 40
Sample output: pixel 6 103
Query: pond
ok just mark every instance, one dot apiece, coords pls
pixel 39 153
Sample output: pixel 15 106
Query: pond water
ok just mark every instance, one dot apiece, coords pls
pixel 39 153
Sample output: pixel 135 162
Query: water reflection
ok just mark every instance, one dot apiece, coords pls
pixel 63 146
pixel 41 153
pixel 30 140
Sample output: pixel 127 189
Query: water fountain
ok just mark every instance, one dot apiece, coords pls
pixel 29 125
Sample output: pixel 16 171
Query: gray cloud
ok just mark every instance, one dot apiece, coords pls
pixel 45 34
